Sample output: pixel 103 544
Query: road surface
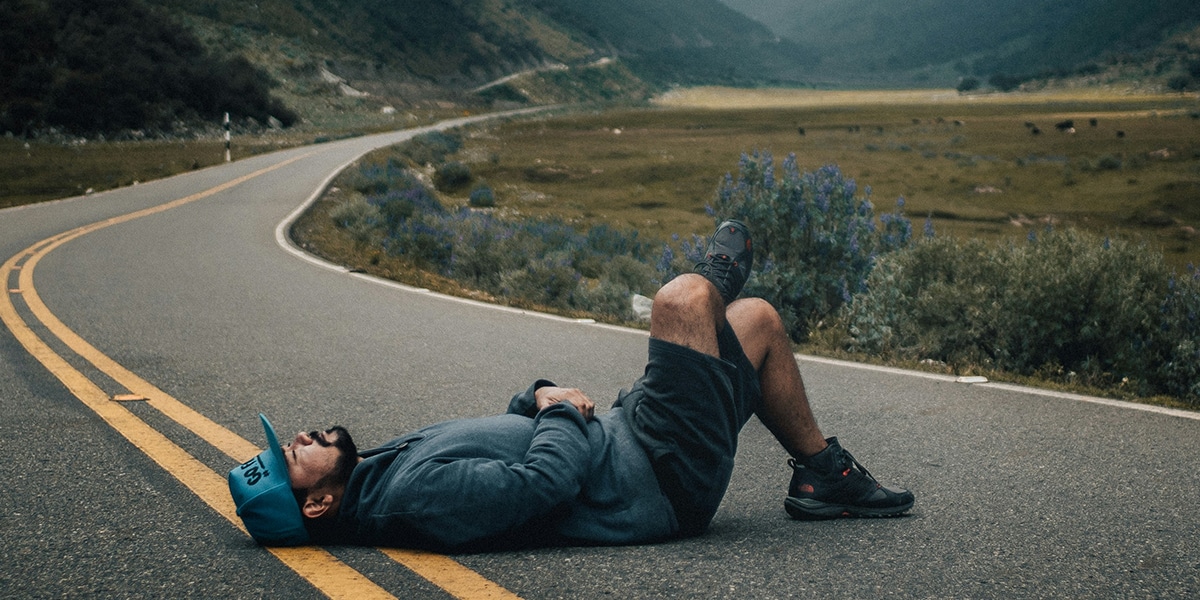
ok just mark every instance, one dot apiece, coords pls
pixel 138 350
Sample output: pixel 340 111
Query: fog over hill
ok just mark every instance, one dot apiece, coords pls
pixel 936 40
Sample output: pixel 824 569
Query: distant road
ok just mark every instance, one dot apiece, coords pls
pixel 146 327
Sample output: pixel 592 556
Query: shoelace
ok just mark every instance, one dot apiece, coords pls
pixel 718 266
pixel 793 463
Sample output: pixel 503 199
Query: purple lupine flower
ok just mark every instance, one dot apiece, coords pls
pixel 790 168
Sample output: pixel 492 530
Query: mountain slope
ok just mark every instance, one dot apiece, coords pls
pixel 408 53
pixel 132 64
pixel 467 42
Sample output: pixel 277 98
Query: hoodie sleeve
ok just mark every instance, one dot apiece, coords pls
pixel 524 403
pixel 460 501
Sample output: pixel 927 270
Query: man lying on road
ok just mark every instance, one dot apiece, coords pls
pixel 550 472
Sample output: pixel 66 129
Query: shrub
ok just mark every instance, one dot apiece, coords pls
pixel 671 264
pixel 452 176
pixel 548 280
pixel 482 197
pixel 1178 346
pixel 431 148
pixel 1179 83
pixel 815 239
pixel 1062 302
pixel 359 218
pixel 542 261
pixel 394 190
pixel 1005 83
pixel 1108 162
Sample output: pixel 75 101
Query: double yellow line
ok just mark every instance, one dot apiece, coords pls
pixel 324 571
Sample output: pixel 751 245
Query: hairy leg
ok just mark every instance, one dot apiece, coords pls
pixel 785 409
pixel 688 311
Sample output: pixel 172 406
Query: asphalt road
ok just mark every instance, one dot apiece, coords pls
pixel 1019 494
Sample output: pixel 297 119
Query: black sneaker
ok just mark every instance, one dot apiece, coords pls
pixel 832 484
pixel 727 259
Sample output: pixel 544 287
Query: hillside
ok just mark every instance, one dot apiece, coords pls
pixel 161 67
pixel 461 44
pixel 118 61
pixel 938 41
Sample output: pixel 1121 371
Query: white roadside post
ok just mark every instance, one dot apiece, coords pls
pixel 227 157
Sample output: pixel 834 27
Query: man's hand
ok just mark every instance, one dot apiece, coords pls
pixel 549 395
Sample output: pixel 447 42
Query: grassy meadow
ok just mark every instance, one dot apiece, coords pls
pixel 972 163
pixel 39 170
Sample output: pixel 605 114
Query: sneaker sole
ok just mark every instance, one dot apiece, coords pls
pixel 807 509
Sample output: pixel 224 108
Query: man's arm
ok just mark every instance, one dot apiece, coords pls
pixel 465 500
pixel 544 393
pixel 525 403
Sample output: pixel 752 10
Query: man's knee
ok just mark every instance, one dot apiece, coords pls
pixel 685 291
pixel 755 314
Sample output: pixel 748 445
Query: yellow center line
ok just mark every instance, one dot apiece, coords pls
pixel 448 574
pixel 324 571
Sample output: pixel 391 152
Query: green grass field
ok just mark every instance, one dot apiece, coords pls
pixel 39 170
pixel 971 163
pixel 968 161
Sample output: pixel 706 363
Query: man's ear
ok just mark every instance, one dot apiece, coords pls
pixel 316 505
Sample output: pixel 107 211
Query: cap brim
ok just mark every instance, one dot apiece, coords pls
pixel 273 445
pixel 262 492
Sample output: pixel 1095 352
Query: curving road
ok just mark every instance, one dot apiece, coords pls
pixel 195 318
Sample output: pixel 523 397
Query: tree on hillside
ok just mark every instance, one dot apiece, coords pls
pixel 102 66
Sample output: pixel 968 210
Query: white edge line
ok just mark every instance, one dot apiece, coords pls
pixel 877 368
pixel 284 242
pixel 1174 412
pixel 1162 410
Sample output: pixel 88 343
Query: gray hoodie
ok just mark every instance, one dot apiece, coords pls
pixel 525 477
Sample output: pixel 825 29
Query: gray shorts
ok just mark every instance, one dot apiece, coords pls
pixel 687 411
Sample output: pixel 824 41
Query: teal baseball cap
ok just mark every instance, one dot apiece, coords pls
pixel 262 491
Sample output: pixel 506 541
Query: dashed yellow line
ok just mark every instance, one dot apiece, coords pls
pixel 449 575
pixel 324 571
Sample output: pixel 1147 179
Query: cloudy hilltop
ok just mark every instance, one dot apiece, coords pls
pixel 934 41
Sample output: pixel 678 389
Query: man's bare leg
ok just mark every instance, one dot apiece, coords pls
pixel 688 311
pixel 785 409
pixel 826 480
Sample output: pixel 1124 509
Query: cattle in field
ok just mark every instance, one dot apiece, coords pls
pixel 1064 126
